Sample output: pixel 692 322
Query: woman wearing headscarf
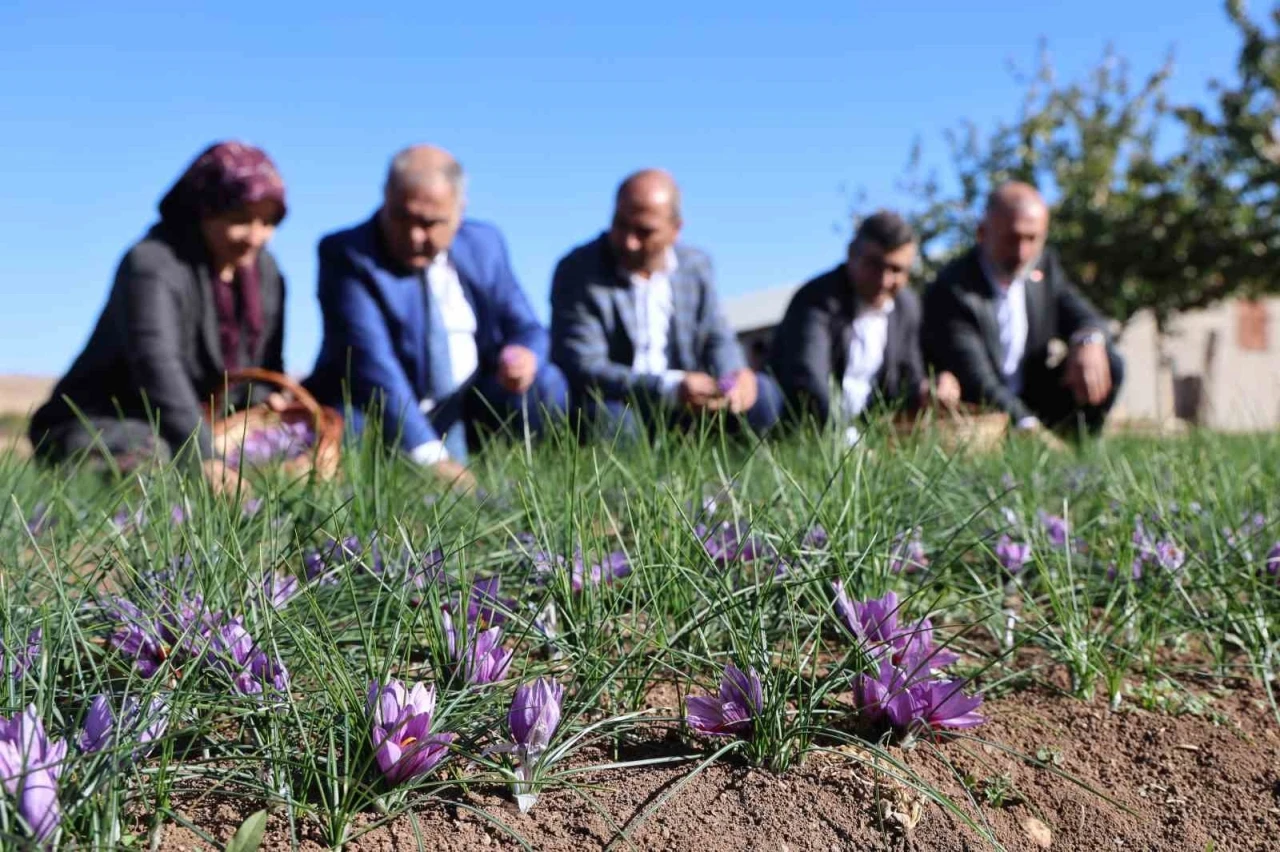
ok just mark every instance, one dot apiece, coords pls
pixel 198 296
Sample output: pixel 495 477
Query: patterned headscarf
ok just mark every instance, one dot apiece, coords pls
pixel 227 176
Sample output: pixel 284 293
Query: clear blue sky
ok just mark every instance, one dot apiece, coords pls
pixel 763 112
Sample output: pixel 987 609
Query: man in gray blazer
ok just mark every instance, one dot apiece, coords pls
pixel 636 325
pixel 851 336
pixel 991 313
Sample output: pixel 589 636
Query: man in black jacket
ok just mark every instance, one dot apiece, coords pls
pixel 851 336
pixel 991 313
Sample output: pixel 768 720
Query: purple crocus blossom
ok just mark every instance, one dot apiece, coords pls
pixel 403 744
pixel 908 554
pixel 903 700
pixel 233 651
pixel 740 700
pixel 16 664
pixel 816 538
pixel 1169 556
pixel 726 383
pixel 533 719
pixel 1012 555
pixel 100 724
pixel 1055 528
pixel 279 587
pixel 915 650
pixel 485 606
pixel 151 640
pixel 30 766
pixel 943 704
pixel 615 566
pixel 478 655
pixel 177 514
pixel 282 442
pixel 535 714
pixel 727 543
pixel 1271 568
pixel 874 623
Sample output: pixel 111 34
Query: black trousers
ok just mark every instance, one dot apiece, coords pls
pixel 1055 405
pixel 129 442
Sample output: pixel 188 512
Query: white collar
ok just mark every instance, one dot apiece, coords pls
pixel 869 312
pixel 669 265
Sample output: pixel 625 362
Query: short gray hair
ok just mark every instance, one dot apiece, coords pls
pixel 404 172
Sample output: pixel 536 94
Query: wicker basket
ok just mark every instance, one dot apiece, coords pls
pixel 321 459
pixel 965 428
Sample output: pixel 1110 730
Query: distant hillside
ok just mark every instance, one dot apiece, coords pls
pixel 19 395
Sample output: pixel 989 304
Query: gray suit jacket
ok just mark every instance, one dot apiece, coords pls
pixel 593 321
pixel 962 334
pixel 155 350
pixel 811 346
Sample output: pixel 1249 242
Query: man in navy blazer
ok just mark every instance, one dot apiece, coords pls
pixel 425 323
pixel 635 319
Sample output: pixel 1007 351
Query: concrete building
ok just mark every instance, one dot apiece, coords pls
pixel 1218 367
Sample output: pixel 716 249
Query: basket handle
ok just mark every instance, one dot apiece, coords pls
pixel 279 380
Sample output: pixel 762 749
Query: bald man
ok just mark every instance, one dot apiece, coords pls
pixel 636 324
pixel 425 326
pixel 989 317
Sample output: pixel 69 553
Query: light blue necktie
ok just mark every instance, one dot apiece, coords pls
pixel 440 385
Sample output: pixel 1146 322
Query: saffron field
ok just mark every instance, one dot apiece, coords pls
pixel 329 663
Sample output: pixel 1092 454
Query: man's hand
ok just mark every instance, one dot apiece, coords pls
pixel 517 367
pixel 1088 373
pixel 454 475
pixel 700 392
pixel 225 481
pixel 741 390
pixel 946 392
pixel 277 402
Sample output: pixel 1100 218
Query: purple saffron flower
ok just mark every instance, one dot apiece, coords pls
pixel 150 641
pixel 816 538
pixel 1055 528
pixel 741 699
pixel 942 704
pixel 100 724
pixel 908 554
pixel 251 507
pixel 915 651
pixel 533 718
pixel 615 566
pixel 485 607
pixel 884 695
pixel 1012 555
pixel 279 586
pixel 403 744
pixel 123 520
pixel 728 543
pixel 535 715
pixel 1169 556
pixel 233 651
pixel 177 514
pixel 874 623
pixel 16 664
pixel 30 766
pixel 1271 567
pixel 477 655
pixel 727 383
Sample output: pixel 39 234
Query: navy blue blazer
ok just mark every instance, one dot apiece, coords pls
pixel 375 345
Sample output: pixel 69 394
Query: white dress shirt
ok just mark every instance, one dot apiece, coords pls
pixel 1011 316
pixel 867 341
pixel 653 323
pixel 460 322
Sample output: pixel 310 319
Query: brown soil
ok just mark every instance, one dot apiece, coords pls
pixel 1182 782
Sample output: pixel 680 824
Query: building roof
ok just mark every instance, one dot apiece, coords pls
pixel 761 309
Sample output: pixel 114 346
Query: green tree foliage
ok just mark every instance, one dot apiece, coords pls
pixel 1154 205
